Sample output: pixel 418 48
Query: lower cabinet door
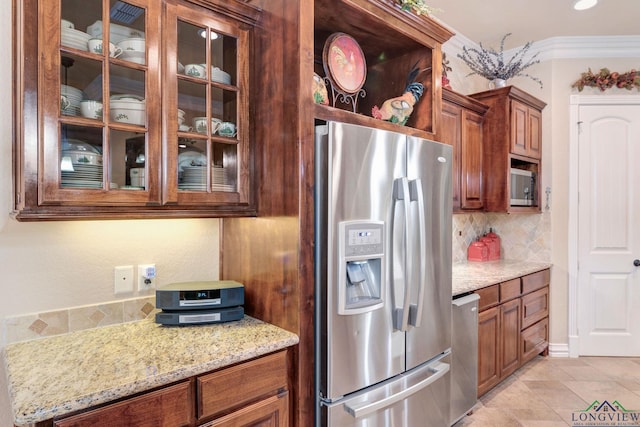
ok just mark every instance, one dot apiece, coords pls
pixel 488 349
pixel 169 407
pixel 510 337
pixel 270 412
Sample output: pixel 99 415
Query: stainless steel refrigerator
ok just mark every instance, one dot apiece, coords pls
pixel 383 278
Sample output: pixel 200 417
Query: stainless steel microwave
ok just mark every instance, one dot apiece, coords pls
pixel 523 187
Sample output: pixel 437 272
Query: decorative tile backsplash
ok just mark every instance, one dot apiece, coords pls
pixel 523 236
pixel 45 324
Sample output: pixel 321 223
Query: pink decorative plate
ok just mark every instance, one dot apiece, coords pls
pixel 344 62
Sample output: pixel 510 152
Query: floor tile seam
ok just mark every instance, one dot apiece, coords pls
pixel 617 384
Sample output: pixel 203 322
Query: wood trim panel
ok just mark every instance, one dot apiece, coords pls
pixel 535 307
pixel 534 340
pixel 510 337
pixel 489 297
pixel 534 281
pixel 169 406
pixel 509 290
pixel 271 412
pixel 234 387
pixel 488 349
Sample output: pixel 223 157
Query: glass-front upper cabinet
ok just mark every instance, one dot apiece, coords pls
pixel 101 128
pixel 132 108
pixel 207 139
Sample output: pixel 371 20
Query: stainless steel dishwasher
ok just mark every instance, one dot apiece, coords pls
pixel 464 349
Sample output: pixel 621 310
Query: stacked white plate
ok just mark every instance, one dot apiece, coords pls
pixel 74 38
pixel 221 179
pixel 194 178
pixel 74 96
pixel 117 33
pixel 217 75
pixel 83 176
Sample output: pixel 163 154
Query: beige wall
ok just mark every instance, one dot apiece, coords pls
pixel 557 75
pixel 54 265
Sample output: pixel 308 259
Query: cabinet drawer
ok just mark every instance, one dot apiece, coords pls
pixel 535 306
pixel 240 385
pixel 489 296
pixel 534 281
pixel 534 340
pixel 509 290
pixel 170 406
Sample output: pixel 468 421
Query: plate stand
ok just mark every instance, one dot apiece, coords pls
pixel 344 97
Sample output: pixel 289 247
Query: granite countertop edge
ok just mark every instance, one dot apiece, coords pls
pixel 471 276
pixel 59 375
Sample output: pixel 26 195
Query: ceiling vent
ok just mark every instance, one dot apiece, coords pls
pixel 125 13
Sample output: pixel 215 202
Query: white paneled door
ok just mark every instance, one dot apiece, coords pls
pixel 608 246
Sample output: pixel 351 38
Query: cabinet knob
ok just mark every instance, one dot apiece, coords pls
pixel 636 262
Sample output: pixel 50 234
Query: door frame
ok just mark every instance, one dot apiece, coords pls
pixel 575 102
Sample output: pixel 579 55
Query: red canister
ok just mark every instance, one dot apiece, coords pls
pixel 478 251
pixel 494 242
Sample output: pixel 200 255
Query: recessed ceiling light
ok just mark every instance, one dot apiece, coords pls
pixel 584 4
pixel 212 34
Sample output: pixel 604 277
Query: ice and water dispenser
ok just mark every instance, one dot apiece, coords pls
pixel 362 266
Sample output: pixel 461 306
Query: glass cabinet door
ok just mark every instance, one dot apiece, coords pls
pixel 206 143
pixel 100 102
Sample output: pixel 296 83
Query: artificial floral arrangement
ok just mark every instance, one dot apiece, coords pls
pixel 445 68
pixel 417 6
pixel 606 79
pixel 491 64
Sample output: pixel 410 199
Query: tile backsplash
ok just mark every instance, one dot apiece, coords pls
pixel 523 236
pixel 39 325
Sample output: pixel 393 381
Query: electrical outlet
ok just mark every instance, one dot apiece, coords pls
pixel 123 279
pixel 146 277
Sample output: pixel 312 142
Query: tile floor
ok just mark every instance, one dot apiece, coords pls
pixel 551 392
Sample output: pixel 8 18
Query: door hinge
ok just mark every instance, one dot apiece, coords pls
pixel 579 126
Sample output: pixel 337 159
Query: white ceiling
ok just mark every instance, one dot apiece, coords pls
pixel 487 21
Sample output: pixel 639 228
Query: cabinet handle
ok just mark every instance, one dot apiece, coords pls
pixel 636 262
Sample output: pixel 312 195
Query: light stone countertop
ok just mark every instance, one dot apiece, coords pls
pixel 470 276
pixel 56 375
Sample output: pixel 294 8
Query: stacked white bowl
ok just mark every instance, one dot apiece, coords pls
pixel 129 109
pixel 133 49
pixel 73 97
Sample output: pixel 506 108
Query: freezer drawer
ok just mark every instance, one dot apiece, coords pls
pixel 464 347
pixel 419 397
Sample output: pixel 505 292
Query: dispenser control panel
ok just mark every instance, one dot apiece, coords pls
pixel 363 239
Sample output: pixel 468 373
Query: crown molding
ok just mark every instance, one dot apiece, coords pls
pixel 568 47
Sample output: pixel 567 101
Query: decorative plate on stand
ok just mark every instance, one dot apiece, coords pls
pixel 345 67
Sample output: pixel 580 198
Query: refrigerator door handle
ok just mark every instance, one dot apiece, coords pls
pixel 415 311
pixel 364 409
pixel 401 194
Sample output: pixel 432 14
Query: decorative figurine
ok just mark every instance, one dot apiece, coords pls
pixel 398 109
pixel 320 95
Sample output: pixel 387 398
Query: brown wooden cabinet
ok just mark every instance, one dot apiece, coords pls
pixel 512 138
pixel 280 242
pixel 513 323
pixel 526 128
pixel 139 152
pixel 170 406
pixel 248 394
pixel 399 42
pixel 489 327
pixel 462 122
